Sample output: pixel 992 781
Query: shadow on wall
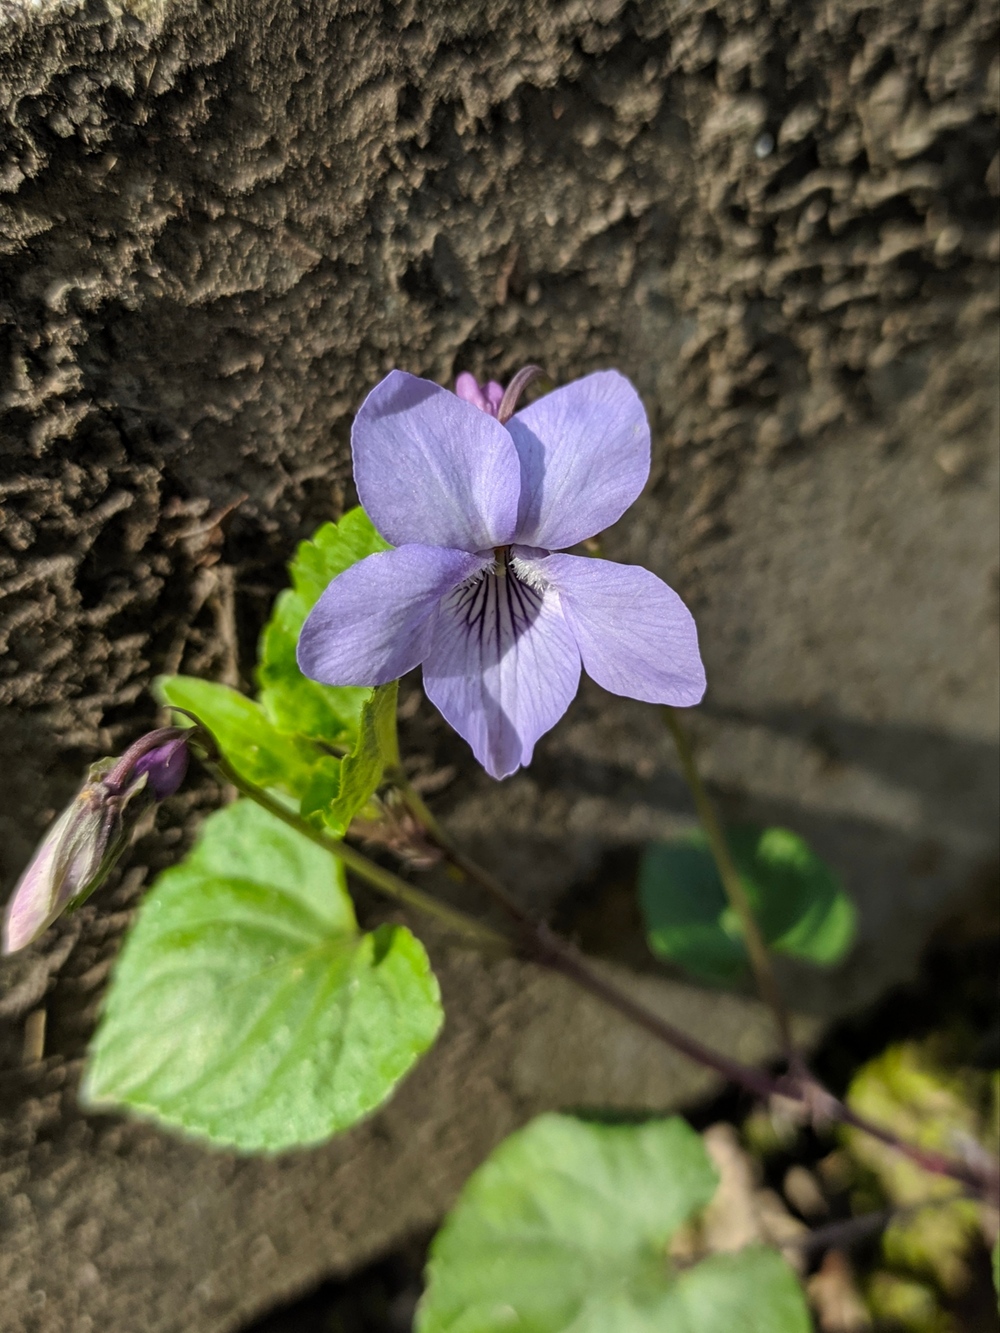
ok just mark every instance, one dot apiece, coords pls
pixel 905 815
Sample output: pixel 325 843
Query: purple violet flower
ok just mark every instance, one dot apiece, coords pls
pixel 476 501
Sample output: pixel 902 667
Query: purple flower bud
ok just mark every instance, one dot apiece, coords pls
pixel 164 767
pixel 82 846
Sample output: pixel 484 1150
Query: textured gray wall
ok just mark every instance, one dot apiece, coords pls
pixel 219 225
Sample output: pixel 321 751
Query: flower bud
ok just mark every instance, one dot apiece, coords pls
pixel 79 850
pixel 164 767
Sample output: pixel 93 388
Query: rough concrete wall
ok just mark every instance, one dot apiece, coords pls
pixel 220 224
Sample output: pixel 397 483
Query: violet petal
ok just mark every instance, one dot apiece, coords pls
pixel 493 393
pixel 487 397
pixel 35 902
pixel 468 388
pixel 635 635
pixel 584 454
pixel 432 469
pixel 372 624
pixel 502 667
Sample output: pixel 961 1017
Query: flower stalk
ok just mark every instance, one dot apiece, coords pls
pixel 393 886
pixel 536 942
pixel 508 403
pixel 756 947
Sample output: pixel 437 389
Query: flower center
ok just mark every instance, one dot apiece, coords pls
pixel 494 609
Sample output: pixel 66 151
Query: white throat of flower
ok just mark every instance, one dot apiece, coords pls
pixel 504 563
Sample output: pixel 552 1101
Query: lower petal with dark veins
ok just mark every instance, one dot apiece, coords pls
pixel 502 667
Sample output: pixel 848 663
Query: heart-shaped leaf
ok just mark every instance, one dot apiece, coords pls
pixel 565 1229
pixel 247 1008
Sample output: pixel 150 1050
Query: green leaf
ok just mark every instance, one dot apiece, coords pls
pixel 247 737
pixel 319 798
pixel 754 1291
pixel 292 702
pixel 802 910
pixel 336 797
pixel 565 1229
pixel 246 1007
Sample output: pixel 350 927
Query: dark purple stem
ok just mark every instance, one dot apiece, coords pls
pixel 984 1182
pixel 549 950
pixel 842 1235
pixel 541 945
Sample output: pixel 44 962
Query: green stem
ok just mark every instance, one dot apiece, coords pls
pixel 372 873
pixel 418 807
pixel 395 774
pixel 760 958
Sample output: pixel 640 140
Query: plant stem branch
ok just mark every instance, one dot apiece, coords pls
pixel 842 1235
pixel 984 1182
pixel 558 955
pixel 542 946
pixel 372 873
pixel 760 958
pixel 420 810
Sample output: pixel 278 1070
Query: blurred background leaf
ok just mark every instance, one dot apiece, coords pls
pixel 567 1226
pixel 802 909
pixel 937 1108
